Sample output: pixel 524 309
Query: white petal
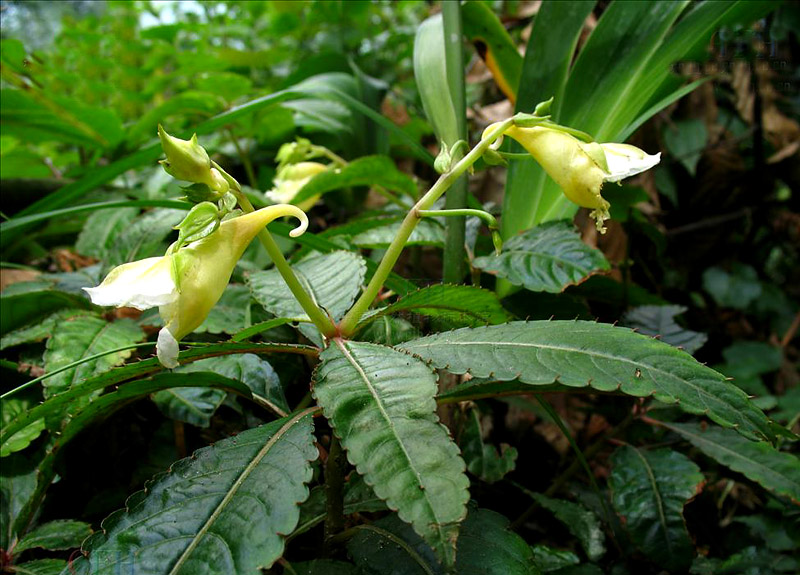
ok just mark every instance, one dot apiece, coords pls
pixel 142 284
pixel 625 161
pixel 167 349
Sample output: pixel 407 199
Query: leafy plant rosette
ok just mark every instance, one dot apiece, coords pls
pixel 231 505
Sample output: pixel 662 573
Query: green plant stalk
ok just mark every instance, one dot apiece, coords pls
pixel 454 255
pixel 445 181
pixel 490 220
pixel 317 316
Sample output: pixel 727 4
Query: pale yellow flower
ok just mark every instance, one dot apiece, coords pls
pixel 291 179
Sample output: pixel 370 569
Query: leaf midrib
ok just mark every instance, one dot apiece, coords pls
pixel 233 490
pixel 662 518
pixel 352 360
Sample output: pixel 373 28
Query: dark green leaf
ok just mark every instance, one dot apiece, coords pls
pixel 483 460
pixel 659 320
pixel 55 536
pixel 605 357
pixel 387 330
pixel 101 230
pixel 758 461
pixel 549 258
pixel 144 237
pixel 41 567
pixel 10 408
pixel 649 491
pixel 581 522
pixel 193 405
pixel 22 303
pixel 456 305
pixel 191 519
pixel 686 140
pixel 17 486
pixel 324 567
pixel 737 288
pixel 549 559
pixel 230 314
pixel 80 338
pixel 381 404
pixel 427 233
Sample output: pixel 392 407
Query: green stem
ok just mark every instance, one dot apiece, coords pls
pixel 317 316
pixel 491 221
pixel 445 181
pixel 454 255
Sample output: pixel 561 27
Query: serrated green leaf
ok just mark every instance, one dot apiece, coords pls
pixel 649 490
pixel 333 280
pixel 55 536
pixel 605 357
pixel 192 405
pixel 581 522
pixel 427 233
pixel 366 171
pixel 40 330
pixel 145 236
pixel 549 258
pixel 387 330
pixel 483 460
pixel 455 304
pixel 254 372
pixel 659 320
pixel 101 230
pixel 41 567
pixel 381 405
pixel 758 461
pixel 80 338
pixel 191 519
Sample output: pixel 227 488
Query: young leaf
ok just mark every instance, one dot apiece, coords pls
pixel 659 320
pixel 222 511
pixel 80 338
pixel 549 258
pixel 605 357
pixel 55 536
pixel 483 460
pixel 381 405
pixel 649 491
pixel 760 462
pixel 455 304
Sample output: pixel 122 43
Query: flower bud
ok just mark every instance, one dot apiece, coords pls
pixel 187 160
pixel 291 179
pixel 186 284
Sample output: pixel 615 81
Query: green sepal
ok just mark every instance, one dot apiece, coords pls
pixel 202 221
pixel 543 108
pixel 227 203
pixel 494 158
pixel 197 193
pixel 444 160
pixel 529 120
pixel 597 154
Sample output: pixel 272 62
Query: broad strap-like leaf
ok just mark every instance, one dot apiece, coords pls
pixel 649 490
pixel 659 320
pixel 365 171
pixel 222 511
pixel 548 258
pixel 80 338
pixel 605 357
pixel 774 470
pixel 381 405
pixel 333 280
pixel 455 304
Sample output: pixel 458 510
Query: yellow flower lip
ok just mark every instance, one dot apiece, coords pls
pixel 185 285
pixel 291 179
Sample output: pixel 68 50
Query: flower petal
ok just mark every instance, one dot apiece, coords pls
pixel 167 349
pixel 625 161
pixel 142 284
